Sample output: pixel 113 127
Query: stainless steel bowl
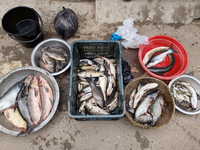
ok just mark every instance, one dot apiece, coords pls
pixel 51 43
pixel 196 85
pixel 16 75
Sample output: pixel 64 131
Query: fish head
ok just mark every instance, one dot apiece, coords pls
pixel 81 74
pixel 34 82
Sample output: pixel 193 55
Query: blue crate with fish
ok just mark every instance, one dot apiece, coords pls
pixel 96 84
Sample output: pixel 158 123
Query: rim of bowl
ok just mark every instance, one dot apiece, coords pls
pixel 47 40
pixel 178 108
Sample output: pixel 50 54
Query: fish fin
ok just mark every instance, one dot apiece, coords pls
pixel 172 48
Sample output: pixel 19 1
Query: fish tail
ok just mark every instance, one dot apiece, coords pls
pixel 153 123
pixel 173 51
pixel 30 129
pixel 22 133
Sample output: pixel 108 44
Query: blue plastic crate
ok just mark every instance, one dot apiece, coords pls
pixel 90 49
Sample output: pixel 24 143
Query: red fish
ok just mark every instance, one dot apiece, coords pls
pixel 34 101
pixel 46 97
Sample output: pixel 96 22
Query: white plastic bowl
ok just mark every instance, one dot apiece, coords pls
pixel 50 43
pixel 196 85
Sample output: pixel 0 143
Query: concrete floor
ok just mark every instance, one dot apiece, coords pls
pixel 97 21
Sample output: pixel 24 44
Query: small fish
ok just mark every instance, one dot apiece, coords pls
pixel 48 67
pixel 34 101
pixel 103 84
pixel 110 66
pixel 88 73
pixel 132 98
pixel 86 96
pixel 8 99
pixel 47 98
pixel 142 91
pixel 82 108
pixel 55 55
pixel 193 98
pixel 92 67
pixel 160 57
pixel 85 90
pixel 158 70
pixel 96 92
pixel 143 107
pixel 114 103
pixel 87 61
pixel 111 85
pixel 99 60
pixel 156 109
pixel 152 52
pixel 95 110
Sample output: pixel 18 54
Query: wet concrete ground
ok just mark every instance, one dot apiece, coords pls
pixel 63 132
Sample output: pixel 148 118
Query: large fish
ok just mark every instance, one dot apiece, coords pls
pixel 156 109
pixel 96 92
pixel 46 97
pixel 141 92
pixel 22 104
pixel 152 52
pixel 8 99
pixel 160 57
pixel 34 101
pixel 143 107
pixel 164 69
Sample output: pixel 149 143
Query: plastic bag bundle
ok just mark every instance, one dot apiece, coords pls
pixel 66 23
pixel 129 33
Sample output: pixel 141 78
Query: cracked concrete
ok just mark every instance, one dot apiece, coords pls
pixel 97 21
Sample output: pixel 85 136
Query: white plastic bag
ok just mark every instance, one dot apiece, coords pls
pixel 129 33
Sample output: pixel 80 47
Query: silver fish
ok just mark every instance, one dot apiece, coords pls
pixel 99 60
pixel 96 92
pixel 92 67
pixel 8 99
pixel 132 98
pixel 85 90
pixel 143 107
pixel 88 73
pixel 22 104
pixel 95 110
pixel 193 98
pixel 111 85
pixel 146 118
pixel 111 67
pixel 152 52
pixel 55 55
pixel 86 96
pixel 160 57
pixel 156 109
pixel 82 108
pixel 142 91
pixel 114 103
pixel 103 84
pixel 87 61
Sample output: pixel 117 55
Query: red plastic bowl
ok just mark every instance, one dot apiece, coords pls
pixel 181 58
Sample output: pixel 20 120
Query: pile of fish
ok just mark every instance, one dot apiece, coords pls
pixel 146 104
pixel 27 103
pixel 97 86
pixel 157 55
pixel 185 95
pixel 53 59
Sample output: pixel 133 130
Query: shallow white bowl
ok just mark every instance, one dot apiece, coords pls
pixel 13 77
pixel 196 85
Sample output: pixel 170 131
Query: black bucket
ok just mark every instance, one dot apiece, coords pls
pixel 22 24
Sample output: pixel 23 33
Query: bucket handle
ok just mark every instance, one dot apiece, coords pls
pixel 37 35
